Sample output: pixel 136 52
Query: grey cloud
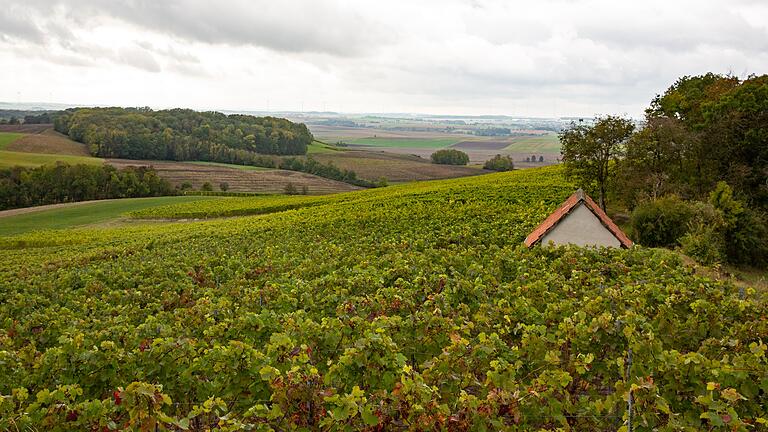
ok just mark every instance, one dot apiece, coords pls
pixel 286 26
pixel 14 25
pixel 138 58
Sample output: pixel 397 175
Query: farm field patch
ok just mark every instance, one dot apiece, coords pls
pixel 238 178
pixel 48 141
pixel 7 138
pixel 59 216
pixel 403 143
pixel 11 158
pixel 549 144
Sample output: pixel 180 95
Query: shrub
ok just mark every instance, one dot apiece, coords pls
pixel 224 186
pixel 744 229
pixel 206 187
pixel 499 163
pixel 450 157
pixel 704 243
pixel 662 222
pixel 290 189
pixel 186 186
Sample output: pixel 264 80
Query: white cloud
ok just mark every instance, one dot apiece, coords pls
pixel 551 57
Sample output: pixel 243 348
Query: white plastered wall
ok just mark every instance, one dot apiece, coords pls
pixel 582 228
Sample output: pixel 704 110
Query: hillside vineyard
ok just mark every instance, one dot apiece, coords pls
pixel 412 307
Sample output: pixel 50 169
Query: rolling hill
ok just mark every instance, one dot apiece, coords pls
pixel 411 307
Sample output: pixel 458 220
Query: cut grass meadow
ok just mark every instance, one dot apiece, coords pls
pixel 80 214
pixel 540 144
pixel 8 137
pixel 11 158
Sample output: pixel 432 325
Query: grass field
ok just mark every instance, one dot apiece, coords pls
pixel 12 158
pixel 534 144
pixel 7 138
pixel 80 214
pixel 318 147
pixel 416 143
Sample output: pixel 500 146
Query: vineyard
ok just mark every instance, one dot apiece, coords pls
pixel 411 307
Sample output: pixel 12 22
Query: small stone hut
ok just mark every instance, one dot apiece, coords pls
pixel 581 222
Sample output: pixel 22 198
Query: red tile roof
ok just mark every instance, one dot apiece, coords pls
pixel 565 208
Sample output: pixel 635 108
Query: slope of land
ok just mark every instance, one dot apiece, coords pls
pixel 238 179
pixel 412 307
pixel 375 165
pixel 48 141
pixel 68 215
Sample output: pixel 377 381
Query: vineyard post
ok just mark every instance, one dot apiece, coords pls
pixel 629 399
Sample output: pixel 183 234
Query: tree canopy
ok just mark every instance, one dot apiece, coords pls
pixel 590 152
pixel 181 134
pixel 450 157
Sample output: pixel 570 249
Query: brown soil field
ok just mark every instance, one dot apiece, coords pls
pixel 373 165
pixel 47 141
pixel 270 181
pixel 30 129
pixel 332 133
pixel 481 145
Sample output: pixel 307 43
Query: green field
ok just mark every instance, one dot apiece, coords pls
pixel 8 137
pixel 85 214
pixel 535 144
pixel 318 147
pixel 410 307
pixel 9 159
pixel 420 143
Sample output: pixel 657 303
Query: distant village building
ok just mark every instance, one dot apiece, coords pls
pixel 581 222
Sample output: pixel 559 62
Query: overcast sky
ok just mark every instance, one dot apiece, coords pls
pixel 533 58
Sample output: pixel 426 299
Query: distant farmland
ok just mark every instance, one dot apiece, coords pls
pixel 415 143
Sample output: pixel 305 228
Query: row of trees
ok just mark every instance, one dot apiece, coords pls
pixel 705 138
pixel 181 134
pixel 330 171
pixel 52 184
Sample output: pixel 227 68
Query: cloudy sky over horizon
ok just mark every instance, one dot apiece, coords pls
pixel 542 58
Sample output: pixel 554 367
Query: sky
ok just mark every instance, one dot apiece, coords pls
pixel 543 58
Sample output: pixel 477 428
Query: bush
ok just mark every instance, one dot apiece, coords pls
pixel 290 189
pixel 206 187
pixel 224 186
pixel 662 222
pixel 499 163
pixel 450 157
pixel 744 230
pixel 704 244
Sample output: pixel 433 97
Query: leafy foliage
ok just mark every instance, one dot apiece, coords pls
pixel 180 134
pixel 412 307
pixel 590 152
pixel 450 157
pixel 702 130
pixel 499 163
pixel 59 183
pixel 661 222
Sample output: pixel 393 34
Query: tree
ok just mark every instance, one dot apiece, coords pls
pixel 290 189
pixel 224 186
pixel 450 157
pixel 541 158
pixel 590 153
pixel 499 163
pixel 206 187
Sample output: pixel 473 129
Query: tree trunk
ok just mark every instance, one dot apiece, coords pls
pixel 602 196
